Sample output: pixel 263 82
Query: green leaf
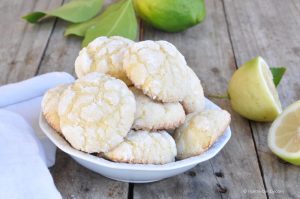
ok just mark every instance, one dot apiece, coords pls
pixel 277 74
pixel 80 29
pixel 118 19
pixel 34 17
pixel 75 11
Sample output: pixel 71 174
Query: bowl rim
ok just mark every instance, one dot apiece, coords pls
pixel 63 145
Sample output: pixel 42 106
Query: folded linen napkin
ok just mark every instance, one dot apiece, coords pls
pixel 22 161
pixel 25 99
pixel 25 152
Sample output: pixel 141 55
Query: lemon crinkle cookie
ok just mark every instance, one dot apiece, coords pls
pixel 195 100
pixel 154 115
pixel 104 54
pixel 199 131
pixel 158 69
pixel 50 106
pixel 96 112
pixel 144 147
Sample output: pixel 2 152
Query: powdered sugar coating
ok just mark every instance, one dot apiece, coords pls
pixel 96 112
pixel 50 106
pixel 158 69
pixel 194 101
pixel 143 147
pixel 154 115
pixel 103 55
pixel 199 131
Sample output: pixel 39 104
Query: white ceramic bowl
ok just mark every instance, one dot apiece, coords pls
pixel 137 173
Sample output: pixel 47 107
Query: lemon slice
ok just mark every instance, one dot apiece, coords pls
pixel 284 134
pixel 253 93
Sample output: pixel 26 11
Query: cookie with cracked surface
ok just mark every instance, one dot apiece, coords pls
pixel 96 112
pixel 199 132
pixel 105 55
pixel 195 100
pixel 50 106
pixel 158 69
pixel 144 147
pixel 154 115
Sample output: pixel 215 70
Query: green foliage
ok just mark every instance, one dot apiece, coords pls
pixel 75 11
pixel 277 74
pixel 118 19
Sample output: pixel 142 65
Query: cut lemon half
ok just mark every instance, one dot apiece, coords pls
pixel 253 93
pixel 284 134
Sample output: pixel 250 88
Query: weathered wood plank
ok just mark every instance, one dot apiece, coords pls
pixel 208 51
pixel 270 28
pixel 200 182
pixel 61 52
pixel 22 44
pixel 74 181
pixel 71 179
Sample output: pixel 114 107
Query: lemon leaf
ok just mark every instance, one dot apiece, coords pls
pixel 75 11
pixel 277 73
pixel 34 17
pixel 118 19
pixel 80 29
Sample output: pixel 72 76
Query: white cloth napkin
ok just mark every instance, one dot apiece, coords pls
pixel 25 152
pixel 25 98
pixel 23 171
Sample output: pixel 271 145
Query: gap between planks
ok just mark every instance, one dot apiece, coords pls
pixel 47 44
pixel 251 128
pixel 140 38
pixel 44 52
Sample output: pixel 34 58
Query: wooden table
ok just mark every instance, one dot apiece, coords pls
pixel 234 31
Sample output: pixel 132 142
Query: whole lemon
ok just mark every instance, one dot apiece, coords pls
pixel 171 15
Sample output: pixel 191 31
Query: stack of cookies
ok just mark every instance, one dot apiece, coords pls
pixel 134 102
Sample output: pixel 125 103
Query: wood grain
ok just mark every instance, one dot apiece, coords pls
pixel 208 51
pixel 71 179
pixel 270 28
pixel 200 182
pixel 22 44
pixel 74 181
pixel 61 52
